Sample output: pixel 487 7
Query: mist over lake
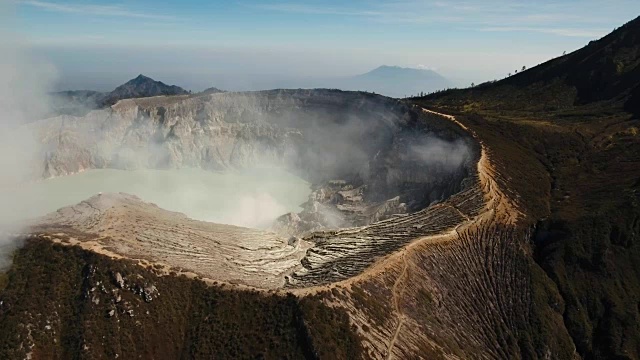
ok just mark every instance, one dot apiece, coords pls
pixel 252 198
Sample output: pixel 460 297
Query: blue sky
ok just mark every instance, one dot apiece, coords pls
pixel 463 40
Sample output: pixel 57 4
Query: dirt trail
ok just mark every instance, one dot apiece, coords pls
pixel 505 209
pixel 397 294
pixel 498 208
pixel 463 215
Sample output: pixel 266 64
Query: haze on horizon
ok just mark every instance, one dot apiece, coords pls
pixel 248 45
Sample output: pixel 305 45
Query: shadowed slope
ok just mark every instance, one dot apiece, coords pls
pixel 601 77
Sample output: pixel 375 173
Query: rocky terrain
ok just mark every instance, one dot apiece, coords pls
pixel 423 239
pixel 564 135
pixel 466 290
pixel 122 225
pixel 81 304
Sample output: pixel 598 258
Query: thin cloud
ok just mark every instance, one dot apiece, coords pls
pixel 549 18
pixel 314 10
pixel 97 10
pixel 426 67
pixel 586 33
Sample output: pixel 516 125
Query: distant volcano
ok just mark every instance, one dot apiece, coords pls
pixel 142 86
pixel 397 81
pixel 79 102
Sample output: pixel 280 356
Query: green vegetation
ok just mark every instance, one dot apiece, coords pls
pixel 62 298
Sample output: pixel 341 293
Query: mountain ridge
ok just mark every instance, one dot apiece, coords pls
pixel 605 73
pixel 566 134
pixel 80 102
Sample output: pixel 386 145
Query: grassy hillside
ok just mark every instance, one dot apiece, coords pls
pixel 601 78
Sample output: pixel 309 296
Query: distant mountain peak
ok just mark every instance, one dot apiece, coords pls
pixel 400 68
pixel 397 81
pixel 141 77
pixel 394 70
pixel 142 86
pixel 212 90
pixel 388 67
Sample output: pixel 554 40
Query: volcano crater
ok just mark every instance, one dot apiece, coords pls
pixel 382 174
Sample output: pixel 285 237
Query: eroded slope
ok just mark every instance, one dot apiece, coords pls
pixel 122 225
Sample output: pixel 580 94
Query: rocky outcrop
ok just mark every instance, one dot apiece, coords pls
pixel 341 254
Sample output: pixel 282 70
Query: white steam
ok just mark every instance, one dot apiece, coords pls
pixel 24 83
pixel 257 210
pixel 435 152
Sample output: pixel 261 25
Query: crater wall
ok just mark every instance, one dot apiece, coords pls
pixel 368 156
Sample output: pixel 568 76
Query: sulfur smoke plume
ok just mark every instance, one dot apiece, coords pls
pixel 24 83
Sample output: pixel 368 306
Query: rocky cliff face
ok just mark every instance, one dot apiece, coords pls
pixel 376 146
